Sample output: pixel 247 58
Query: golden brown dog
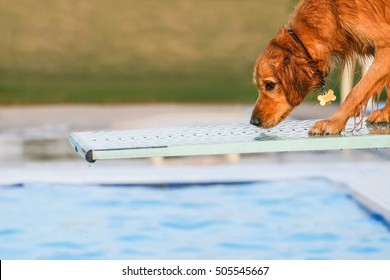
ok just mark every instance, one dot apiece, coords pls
pixel 298 59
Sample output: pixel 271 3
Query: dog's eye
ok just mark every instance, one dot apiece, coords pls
pixel 269 86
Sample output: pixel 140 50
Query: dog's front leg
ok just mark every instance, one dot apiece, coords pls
pixel 371 83
pixel 381 115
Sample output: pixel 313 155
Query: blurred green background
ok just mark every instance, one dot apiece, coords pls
pixel 122 51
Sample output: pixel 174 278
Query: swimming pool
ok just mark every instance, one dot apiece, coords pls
pixel 296 219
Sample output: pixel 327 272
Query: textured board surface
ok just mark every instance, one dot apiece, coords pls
pixel 221 139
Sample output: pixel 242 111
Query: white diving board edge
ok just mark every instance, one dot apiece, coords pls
pixel 289 136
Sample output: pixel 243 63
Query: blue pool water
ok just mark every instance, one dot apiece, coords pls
pixel 304 219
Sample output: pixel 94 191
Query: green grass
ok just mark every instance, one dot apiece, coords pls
pixel 100 89
pixel 124 51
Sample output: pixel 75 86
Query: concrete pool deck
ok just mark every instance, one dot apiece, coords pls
pixel 34 148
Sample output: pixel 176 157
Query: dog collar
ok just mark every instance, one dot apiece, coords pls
pixel 299 42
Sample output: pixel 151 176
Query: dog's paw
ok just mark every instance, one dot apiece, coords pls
pixel 325 127
pixel 379 116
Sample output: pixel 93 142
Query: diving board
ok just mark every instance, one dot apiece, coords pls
pixel 288 136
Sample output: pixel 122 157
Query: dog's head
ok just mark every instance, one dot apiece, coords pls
pixel 284 75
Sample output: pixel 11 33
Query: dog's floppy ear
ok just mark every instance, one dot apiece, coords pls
pixel 296 77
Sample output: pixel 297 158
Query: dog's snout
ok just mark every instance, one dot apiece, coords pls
pixel 255 121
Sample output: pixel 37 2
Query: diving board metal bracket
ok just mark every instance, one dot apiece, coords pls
pixel 288 136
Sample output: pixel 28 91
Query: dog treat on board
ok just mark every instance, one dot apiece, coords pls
pixel 327 98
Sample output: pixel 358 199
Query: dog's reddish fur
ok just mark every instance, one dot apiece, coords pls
pixel 328 29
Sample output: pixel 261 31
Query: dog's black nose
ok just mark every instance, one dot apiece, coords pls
pixel 255 121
